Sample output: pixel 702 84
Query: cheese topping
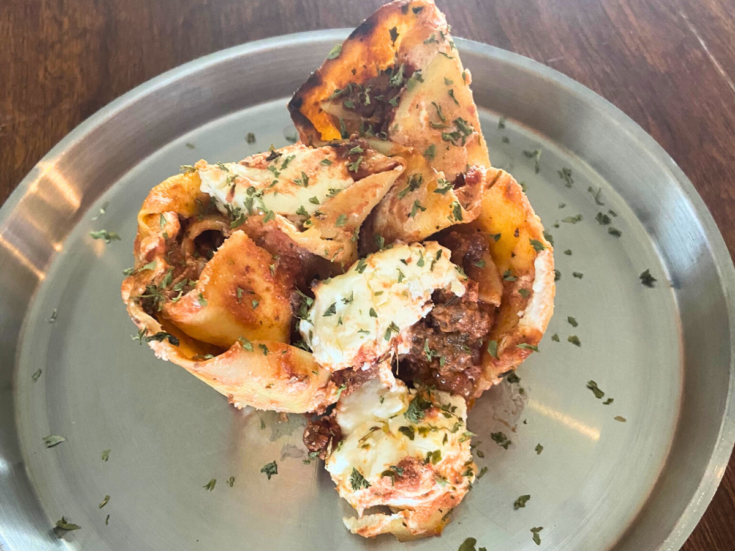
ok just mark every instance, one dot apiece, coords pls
pixel 356 317
pixel 295 183
pixel 380 428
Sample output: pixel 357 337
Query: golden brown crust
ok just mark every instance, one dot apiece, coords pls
pixel 431 108
pixel 211 328
pixel 285 378
pixel 339 243
pixel 522 254
pixel 236 295
pixel 422 203
pixel 357 175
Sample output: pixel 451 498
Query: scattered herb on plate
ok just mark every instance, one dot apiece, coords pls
pixel 501 439
pixel 107 236
pixel 566 175
pixel 599 394
pixel 647 279
pixel 53 440
pixel 67 526
pixel 270 469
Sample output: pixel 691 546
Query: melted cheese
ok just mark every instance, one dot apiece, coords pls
pixel 279 187
pixel 377 434
pixel 357 317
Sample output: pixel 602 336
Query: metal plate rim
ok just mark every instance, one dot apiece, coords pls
pixel 726 271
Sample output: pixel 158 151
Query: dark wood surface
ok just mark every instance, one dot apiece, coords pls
pixel 669 64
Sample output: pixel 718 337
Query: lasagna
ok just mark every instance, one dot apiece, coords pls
pixel 378 276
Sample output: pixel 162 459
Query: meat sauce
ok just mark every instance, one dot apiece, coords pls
pixel 446 346
pixel 375 101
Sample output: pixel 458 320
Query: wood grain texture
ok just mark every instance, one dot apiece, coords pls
pixel 669 64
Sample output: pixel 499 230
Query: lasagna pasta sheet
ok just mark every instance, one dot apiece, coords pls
pixel 319 198
pixel 521 252
pixel 223 315
pixel 398 77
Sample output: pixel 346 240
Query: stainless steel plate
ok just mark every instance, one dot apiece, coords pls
pixel 664 354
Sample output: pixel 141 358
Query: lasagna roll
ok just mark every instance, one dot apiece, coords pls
pixel 524 257
pixel 208 298
pixel 405 449
pixel 398 77
pixel 422 202
pixel 318 198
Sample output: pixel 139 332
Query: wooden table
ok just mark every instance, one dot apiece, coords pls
pixel 669 64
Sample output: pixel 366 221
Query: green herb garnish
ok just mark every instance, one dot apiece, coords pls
pixel 53 440
pixel 107 236
pixel 500 439
pixel 335 51
pixel 408 431
pixel 521 502
pixel 536 537
pixel 599 394
pixel 357 481
pixel 270 469
pixel 526 346
pixel 596 195
pixel 63 524
pixel 647 279
pixel 537 245
pixel 536 156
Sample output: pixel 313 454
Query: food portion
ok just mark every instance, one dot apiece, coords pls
pixel 209 299
pixel 359 317
pixel 522 254
pixel 380 275
pixel 422 202
pixel 445 348
pixel 397 78
pixel 318 198
pixel 405 449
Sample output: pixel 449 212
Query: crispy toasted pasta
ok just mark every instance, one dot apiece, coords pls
pixel 522 254
pixel 319 197
pixel 422 202
pixel 397 77
pixel 384 235
pixel 220 311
